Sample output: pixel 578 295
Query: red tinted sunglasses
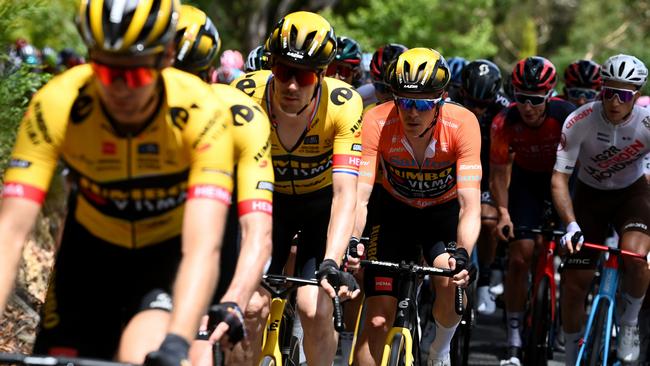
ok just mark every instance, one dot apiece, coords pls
pixel 342 70
pixel 303 77
pixel 134 77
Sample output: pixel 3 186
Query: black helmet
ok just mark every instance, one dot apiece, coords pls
pixel 481 80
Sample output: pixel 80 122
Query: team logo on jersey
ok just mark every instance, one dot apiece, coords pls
pixel 646 122
pixel 19 163
pixel 311 140
pixel 109 148
pixel 148 148
pixel 416 183
pixel 264 185
pixel 339 96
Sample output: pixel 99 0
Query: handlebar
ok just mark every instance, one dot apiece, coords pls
pixel 279 285
pixel 36 360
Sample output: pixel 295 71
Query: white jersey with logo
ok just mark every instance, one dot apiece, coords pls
pixel 610 156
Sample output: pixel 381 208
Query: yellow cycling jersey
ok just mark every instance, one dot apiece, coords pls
pixel 254 172
pixel 128 189
pixel 330 144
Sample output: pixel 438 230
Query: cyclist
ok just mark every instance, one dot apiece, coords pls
pixel 316 150
pixel 256 59
pixel 480 93
pixel 379 90
pixel 231 64
pixel 609 137
pixel 582 82
pixel 150 155
pixel 456 65
pixel 524 139
pixel 347 62
pixel 197 45
pixel 429 154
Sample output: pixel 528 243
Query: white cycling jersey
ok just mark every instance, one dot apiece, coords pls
pixel 610 156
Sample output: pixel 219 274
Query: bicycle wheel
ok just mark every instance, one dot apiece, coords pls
pixel 594 351
pixel 459 353
pixel 538 334
pixel 397 356
pixel 267 361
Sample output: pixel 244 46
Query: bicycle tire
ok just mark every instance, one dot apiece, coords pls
pixel 538 334
pixel 397 355
pixel 267 361
pixel 596 336
pixel 459 347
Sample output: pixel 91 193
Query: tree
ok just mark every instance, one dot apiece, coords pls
pixel 455 28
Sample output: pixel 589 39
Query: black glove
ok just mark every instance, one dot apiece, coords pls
pixel 231 314
pixel 462 259
pixel 172 352
pixel 337 278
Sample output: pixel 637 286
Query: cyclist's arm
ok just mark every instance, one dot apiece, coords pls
pixel 364 191
pixel 342 215
pixel 210 186
pixel 254 202
pixel 500 163
pixel 203 225
pixel 17 217
pixel 565 161
pixel 469 182
pixel 469 222
pixel 370 134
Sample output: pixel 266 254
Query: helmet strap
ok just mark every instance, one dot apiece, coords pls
pixel 434 120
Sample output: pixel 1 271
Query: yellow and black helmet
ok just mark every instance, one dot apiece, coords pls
pixel 197 40
pixel 419 70
pixel 303 38
pixel 132 27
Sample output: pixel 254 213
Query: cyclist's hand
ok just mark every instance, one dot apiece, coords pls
pixel 330 277
pixel 172 352
pixel 569 239
pixel 504 222
pixel 229 321
pixel 458 263
pixel 354 254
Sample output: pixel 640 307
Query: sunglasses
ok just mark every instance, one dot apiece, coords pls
pixel 532 99
pixel 342 70
pixel 303 77
pixel 133 76
pixel 420 105
pixel 623 95
pixel 577 93
pixel 381 87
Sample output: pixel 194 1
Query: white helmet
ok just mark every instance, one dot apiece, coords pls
pixel 626 69
pixel 255 60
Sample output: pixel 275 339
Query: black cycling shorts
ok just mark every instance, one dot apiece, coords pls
pixel 625 209
pixel 97 287
pixel 308 214
pixel 527 195
pixel 405 233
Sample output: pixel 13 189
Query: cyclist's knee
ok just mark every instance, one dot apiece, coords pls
pixel 257 308
pixel 143 334
pixel 314 309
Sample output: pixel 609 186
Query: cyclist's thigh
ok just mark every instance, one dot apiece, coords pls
pixel 313 239
pixel 380 311
pixel 84 289
pixel 632 219
pixel 286 222
pixel 436 227
pixel 396 242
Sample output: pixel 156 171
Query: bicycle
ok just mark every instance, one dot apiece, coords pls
pixel 542 303
pixel 595 348
pixel 38 360
pixel 459 347
pixel 280 346
pixel 402 341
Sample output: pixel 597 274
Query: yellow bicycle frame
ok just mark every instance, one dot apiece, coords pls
pixel 271 343
pixel 408 346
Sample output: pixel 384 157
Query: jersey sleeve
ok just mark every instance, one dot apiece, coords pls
pixel 468 153
pixel 500 139
pixel 208 137
pixel 254 165
pixel 570 141
pixel 39 139
pixel 347 141
pixel 370 134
